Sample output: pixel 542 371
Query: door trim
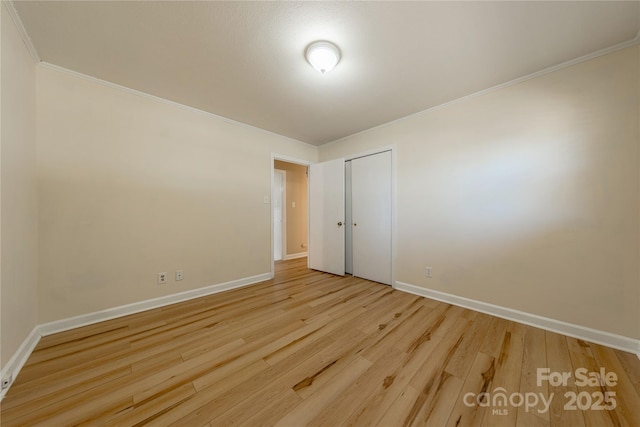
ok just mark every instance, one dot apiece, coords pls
pixel 288 159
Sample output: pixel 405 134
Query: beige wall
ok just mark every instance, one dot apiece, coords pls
pixel 526 197
pixel 297 217
pixel 131 186
pixel 19 216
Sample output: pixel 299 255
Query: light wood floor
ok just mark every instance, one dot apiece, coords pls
pixel 308 348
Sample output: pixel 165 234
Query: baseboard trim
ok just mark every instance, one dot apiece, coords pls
pixel 608 339
pixel 294 256
pixel 125 310
pixel 19 358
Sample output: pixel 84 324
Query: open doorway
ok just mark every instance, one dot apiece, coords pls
pixel 290 211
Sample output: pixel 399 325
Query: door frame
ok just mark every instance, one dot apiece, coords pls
pixel 288 159
pixel 394 198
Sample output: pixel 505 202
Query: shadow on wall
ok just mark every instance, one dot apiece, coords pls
pixel 528 212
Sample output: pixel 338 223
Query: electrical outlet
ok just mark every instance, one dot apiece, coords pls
pixel 6 382
pixel 179 275
pixel 162 278
pixel 428 272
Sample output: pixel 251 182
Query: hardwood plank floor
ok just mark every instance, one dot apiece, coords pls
pixel 309 348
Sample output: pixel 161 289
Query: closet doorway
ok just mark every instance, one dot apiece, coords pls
pixel 351 216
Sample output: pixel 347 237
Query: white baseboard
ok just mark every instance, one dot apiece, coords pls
pixel 608 339
pixel 294 256
pixel 124 310
pixel 20 357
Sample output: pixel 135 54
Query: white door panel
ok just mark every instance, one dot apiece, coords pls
pixel 371 216
pixel 326 217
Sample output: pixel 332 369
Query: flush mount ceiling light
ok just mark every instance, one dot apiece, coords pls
pixel 323 56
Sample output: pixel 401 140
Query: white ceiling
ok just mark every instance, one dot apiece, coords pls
pixel 245 60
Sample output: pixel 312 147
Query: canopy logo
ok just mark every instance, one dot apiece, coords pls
pixel 499 400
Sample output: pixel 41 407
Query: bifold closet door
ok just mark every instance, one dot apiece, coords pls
pixel 371 217
pixel 326 217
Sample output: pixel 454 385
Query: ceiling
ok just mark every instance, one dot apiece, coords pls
pixel 245 60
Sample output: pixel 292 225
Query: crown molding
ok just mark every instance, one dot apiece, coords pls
pixel 13 13
pixel 562 65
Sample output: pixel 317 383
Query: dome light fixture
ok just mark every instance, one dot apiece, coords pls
pixel 323 56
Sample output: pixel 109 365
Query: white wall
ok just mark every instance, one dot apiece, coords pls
pixel 18 278
pixel 526 197
pixel 131 186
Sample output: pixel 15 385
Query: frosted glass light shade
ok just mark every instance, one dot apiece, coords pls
pixel 323 56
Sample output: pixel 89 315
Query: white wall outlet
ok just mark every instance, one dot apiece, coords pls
pixel 179 275
pixel 6 382
pixel 428 272
pixel 293 204
pixel 162 278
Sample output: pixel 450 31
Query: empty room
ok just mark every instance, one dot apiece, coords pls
pixel 320 213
